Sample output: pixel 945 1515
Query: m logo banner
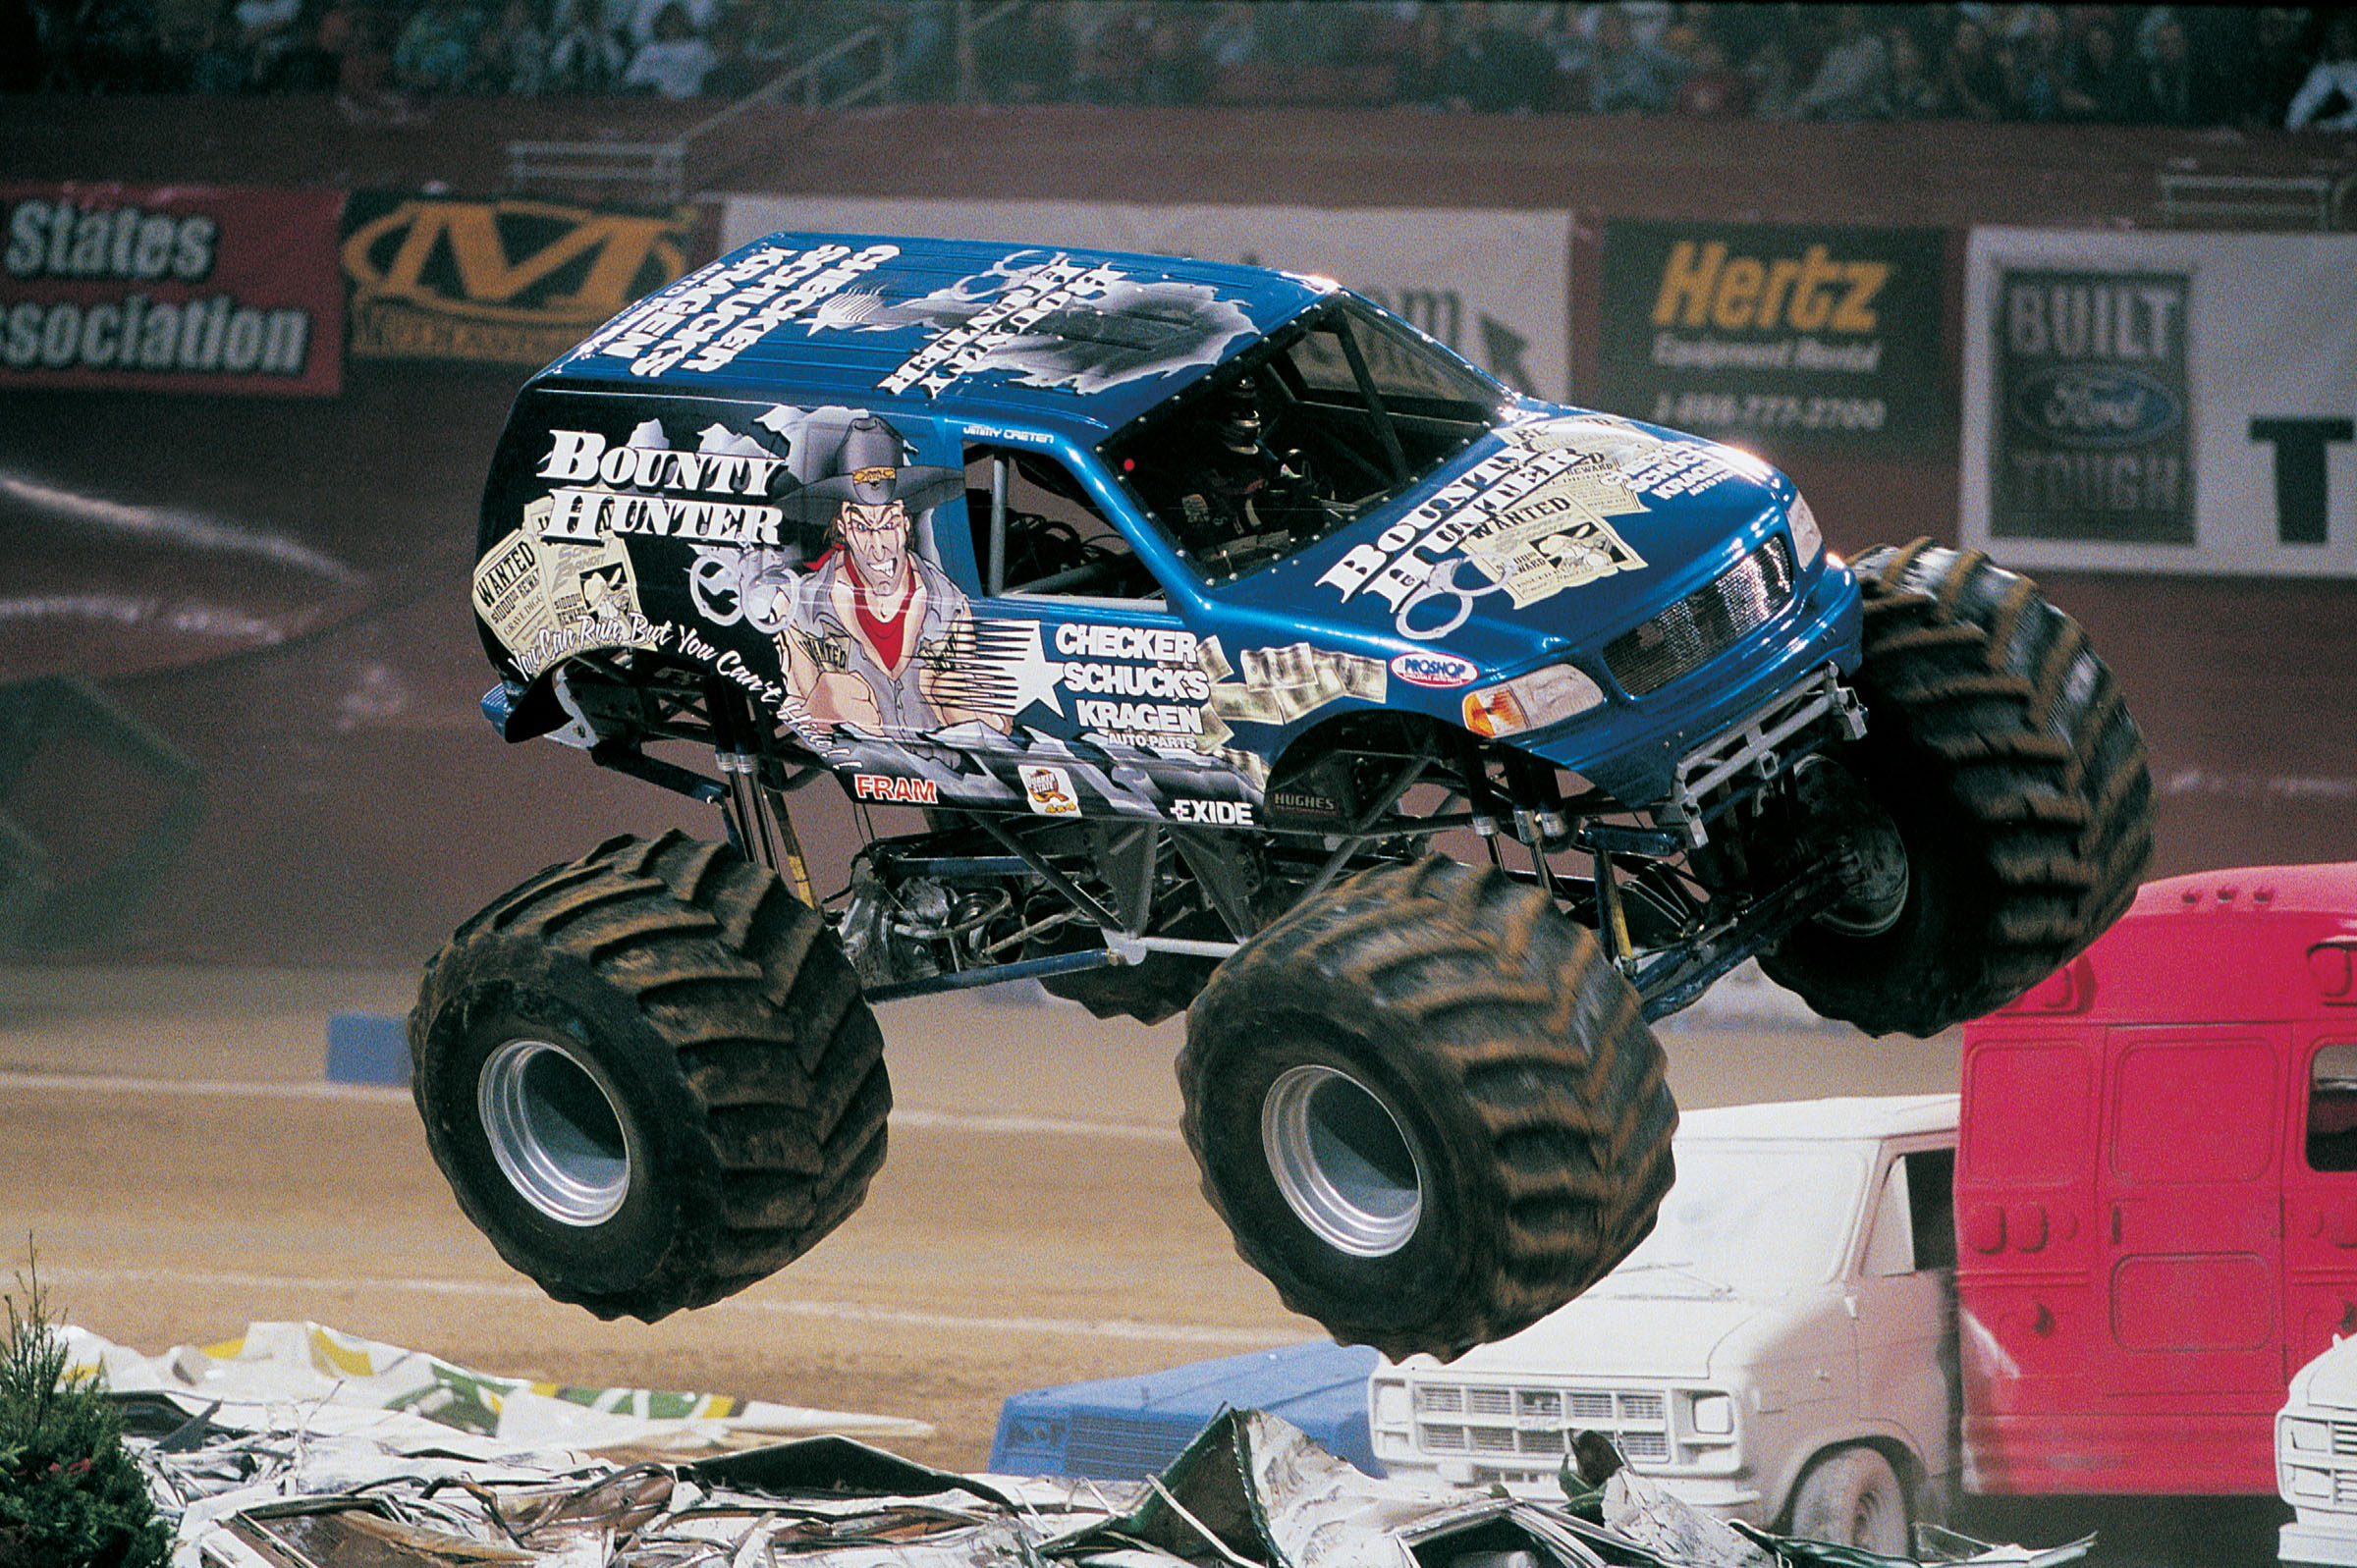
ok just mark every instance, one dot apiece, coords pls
pixel 508 281
pixel 170 288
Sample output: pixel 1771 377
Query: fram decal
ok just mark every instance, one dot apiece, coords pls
pixel 906 792
pixel 1442 671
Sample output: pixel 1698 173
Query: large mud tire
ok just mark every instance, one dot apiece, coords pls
pixel 1428 1108
pixel 649 1076
pixel 1998 745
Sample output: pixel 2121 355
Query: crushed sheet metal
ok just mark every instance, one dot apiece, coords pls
pixel 1251 1492
pixel 412 1402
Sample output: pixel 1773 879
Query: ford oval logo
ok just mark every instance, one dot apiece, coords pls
pixel 1440 670
pixel 2083 405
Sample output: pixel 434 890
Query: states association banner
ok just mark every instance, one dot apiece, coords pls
pixel 1779 337
pixel 2181 401
pixel 1493 285
pixel 505 281
pixel 170 288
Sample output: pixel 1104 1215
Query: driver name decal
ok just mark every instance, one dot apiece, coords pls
pixel 970 345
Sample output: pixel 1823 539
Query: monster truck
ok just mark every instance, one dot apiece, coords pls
pixel 1230 646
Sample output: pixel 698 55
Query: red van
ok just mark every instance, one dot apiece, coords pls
pixel 2157 1190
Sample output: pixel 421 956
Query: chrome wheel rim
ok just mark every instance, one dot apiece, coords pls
pixel 1342 1162
pixel 554 1129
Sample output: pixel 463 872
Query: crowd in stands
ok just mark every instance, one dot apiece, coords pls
pixel 2199 64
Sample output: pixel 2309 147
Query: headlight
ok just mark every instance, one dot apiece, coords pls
pixel 1807 538
pixel 1714 1415
pixel 1543 697
pixel 2307 1436
pixel 1391 1407
pixel 2315 1484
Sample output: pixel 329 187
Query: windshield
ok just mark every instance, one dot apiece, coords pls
pixel 1338 412
pixel 1747 1220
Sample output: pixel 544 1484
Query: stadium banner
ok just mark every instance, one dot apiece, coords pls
pixel 1491 284
pixel 504 282
pixel 170 288
pixel 1779 337
pixel 2181 401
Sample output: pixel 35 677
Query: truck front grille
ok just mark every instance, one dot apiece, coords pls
pixel 1126 1447
pixel 1704 624
pixel 1538 1422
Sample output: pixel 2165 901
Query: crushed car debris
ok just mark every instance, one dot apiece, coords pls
pixel 342 1481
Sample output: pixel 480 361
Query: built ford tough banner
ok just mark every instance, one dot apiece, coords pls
pixel 2161 402
pixel 1781 338
pixel 170 288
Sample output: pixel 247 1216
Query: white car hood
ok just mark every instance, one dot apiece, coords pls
pixel 1612 1335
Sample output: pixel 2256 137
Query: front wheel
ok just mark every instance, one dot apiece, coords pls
pixel 1853 1497
pixel 1428 1108
pixel 1996 815
pixel 649 1076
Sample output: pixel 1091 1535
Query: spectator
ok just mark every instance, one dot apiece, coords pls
pixel 511 56
pixel 2278 63
pixel 1026 58
pixel 1423 61
pixel 2169 92
pixel 1176 72
pixel 2099 82
pixel 585 53
pixel 640 28
pixel 1914 93
pixel 1773 83
pixel 265 31
pixel 674 62
pixel 1109 54
pixel 1713 89
pixel 1972 76
pixel 436 49
pixel 1853 79
pixel 2033 65
pixel 1623 74
pixel 2327 100
pixel 217 65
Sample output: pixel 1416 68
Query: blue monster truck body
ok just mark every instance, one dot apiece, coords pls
pixel 1204 610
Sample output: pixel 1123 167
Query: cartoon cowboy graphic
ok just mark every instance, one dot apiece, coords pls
pixel 876 630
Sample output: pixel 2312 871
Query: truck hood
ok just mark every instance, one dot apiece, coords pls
pixel 2330 1381
pixel 1557 532
pixel 1651 1337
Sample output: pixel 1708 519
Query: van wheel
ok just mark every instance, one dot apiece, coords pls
pixel 1427 1106
pixel 1852 1497
pixel 1996 815
pixel 649 1076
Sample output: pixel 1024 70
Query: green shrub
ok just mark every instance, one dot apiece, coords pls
pixel 71 1496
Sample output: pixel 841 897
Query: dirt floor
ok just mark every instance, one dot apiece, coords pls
pixel 170 1148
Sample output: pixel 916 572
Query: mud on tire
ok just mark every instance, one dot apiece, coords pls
pixel 1427 1106
pixel 1998 745
pixel 649 1076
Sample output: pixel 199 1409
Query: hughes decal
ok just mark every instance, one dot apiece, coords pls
pixel 171 289
pixel 510 282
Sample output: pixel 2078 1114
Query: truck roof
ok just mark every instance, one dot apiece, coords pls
pixel 1858 1117
pixel 1076 340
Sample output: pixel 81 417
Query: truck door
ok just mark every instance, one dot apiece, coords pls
pixel 2319 1199
pixel 2190 1202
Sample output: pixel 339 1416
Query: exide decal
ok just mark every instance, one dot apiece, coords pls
pixel 1442 672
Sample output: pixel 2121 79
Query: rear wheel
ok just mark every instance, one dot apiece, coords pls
pixel 649 1076
pixel 1996 815
pixel 1427 1106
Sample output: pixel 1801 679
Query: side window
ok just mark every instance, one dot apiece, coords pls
pixel 1036 532
pixel 2332 1108
pixel 1914 1222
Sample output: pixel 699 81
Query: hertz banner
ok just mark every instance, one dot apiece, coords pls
pixel 513 282
pixel 170 288
pixel 1782 337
